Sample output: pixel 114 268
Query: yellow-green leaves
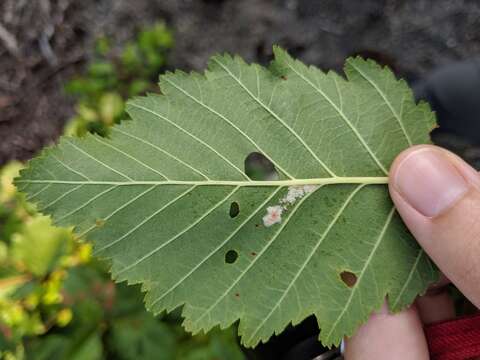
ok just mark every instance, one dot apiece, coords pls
pixel 40 246
pixel 156 198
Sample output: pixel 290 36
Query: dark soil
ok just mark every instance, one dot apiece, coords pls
pixel 44 42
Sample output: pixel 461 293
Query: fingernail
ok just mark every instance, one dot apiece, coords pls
pixel 429 182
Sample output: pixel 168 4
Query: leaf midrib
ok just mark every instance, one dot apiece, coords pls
pixel 367 180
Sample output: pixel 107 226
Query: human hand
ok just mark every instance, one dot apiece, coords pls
pixel 438 196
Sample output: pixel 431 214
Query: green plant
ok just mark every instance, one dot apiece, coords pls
pixel 114 76
pixel 35 258
pixel 167 201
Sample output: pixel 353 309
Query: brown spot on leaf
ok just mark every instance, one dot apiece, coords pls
pixel 349 278
pixel 99 222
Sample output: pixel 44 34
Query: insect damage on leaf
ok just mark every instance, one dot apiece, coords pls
pixel 274 213
pixel 273 216
pixel 297 192
pixel 181 216
pixel 348 278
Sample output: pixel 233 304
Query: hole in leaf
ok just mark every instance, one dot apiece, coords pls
pixel 258 167
pixel 264 53
pixel 349 278
pixel 231 256
pixel 234 209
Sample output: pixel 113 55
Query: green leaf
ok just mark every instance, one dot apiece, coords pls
pixel 157 197
pixel 39 246
pixel 142 338
pixel 110 107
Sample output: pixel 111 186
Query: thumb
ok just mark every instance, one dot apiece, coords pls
pixel 438 196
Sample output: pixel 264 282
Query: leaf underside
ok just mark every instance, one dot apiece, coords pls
pixel 156 197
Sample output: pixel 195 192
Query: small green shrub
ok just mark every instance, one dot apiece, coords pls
pixel 115 75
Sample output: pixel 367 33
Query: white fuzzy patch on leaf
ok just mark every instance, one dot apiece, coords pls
pixel 297 192
pixel 274 215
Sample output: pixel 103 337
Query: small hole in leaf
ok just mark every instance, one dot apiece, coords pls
pixel 258 167
pixel 231 256
pixel 234 209
pixel 349 278
pixel 264 53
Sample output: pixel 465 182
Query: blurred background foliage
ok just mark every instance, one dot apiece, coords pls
pixel 56 301
pixel 115 75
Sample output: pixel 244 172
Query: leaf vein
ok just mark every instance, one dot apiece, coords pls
pixel 29 198
pixel 61 197
pixel 343 116
pixel 389 104
pixel 409 278
pixel 146 219
pixel 118 209
pixel 224 118
pixel 70 168
pixel 362 273
pixel 86 203
pixel 103 142
pixel 97 160
pixel 158 148
pixel 176 236
pixel 192 136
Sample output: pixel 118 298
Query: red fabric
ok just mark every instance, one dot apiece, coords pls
pixel 457 339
